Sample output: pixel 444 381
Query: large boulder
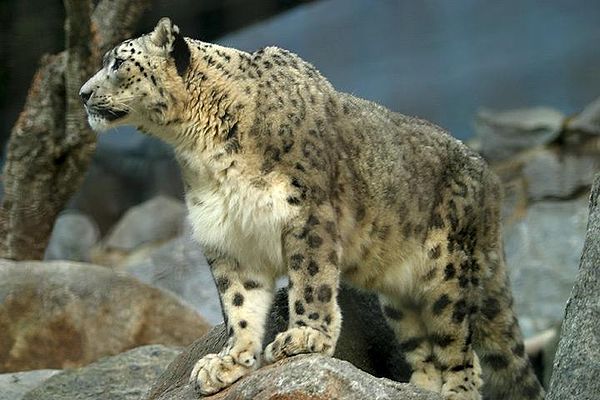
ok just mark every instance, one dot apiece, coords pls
pixel 126 376
pixel 577 362
pixel 158 219
pixel 314 377
pixel 502 134
pixel 73 236
pixel 66 314
pixel 142 228
pixel 553 173
pixel 180 267
pixel 365 341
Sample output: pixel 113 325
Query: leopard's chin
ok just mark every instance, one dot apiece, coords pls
pixel 104 119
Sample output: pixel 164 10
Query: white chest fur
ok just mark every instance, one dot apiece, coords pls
pixel 242 220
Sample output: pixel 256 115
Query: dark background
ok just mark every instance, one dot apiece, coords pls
pixel 438 59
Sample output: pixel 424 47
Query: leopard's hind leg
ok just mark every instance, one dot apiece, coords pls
pixel 433 324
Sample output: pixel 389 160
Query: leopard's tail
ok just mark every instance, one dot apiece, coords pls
pixel 498 341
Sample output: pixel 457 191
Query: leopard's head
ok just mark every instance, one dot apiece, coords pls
pixel 140 82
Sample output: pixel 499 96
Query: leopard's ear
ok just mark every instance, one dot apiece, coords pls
pixel 163 34
pixel 166 36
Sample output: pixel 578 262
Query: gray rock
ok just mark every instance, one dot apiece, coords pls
pixel 126 376
pixel 180 267
pixel 66 314
pixel 577 363
pixel 155 220
pixel 588 120
pixel 72 238
pixel 365 341
pixel 550 174
pixel 313 377
pixel 502 134
pixel 542 251
pixel 13 386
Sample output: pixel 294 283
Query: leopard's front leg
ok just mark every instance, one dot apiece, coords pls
pixel 312 253
pixel 245 299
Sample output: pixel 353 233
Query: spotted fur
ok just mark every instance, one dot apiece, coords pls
pixel 285 175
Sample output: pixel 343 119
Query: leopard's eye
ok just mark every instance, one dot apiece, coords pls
pixel 117 64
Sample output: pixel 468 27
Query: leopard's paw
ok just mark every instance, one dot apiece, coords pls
pixel 215 372
pixel 464 384
pixel 298 341
pixel 428 377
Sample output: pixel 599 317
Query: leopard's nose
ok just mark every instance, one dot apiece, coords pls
pixel 85 96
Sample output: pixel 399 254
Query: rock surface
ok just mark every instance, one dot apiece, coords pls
pixel 126 376
pixel 552 174
pixel 142 229
pixel 155 220
pixel 542 249
pixel 13 386
pixel 73 236
pixel 312 377
pixel 577 362
pixel 365 341
pixel 505 133
pixel 65 314
pixel 180 267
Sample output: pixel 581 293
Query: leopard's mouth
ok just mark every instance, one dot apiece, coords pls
pixel 108 114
